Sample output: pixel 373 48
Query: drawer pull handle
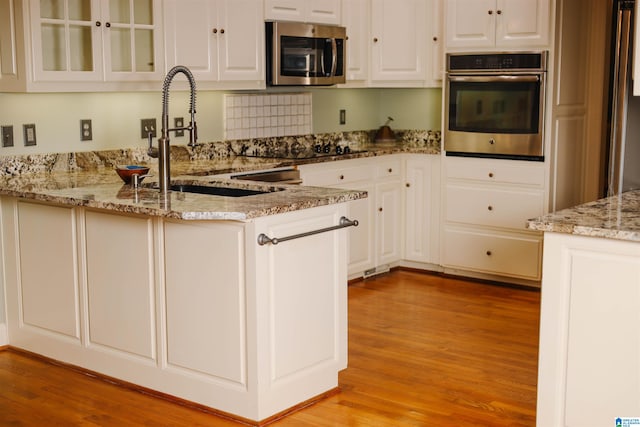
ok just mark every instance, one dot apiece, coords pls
pixel 490 207
pixel 488 253
pixel 263 239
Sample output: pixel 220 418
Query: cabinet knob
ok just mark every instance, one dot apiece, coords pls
pixel 341 176
pixel 221 30
pixel 490 207
pixel 390 170
pixel 215 31
pixel 490 12
pixel 98 23
pixel 490 174
pixel 379 209
pixel 499 12
pixel 108 25
pixel 488 253
pixel 435 38
pixel 408 185
pixel 375 40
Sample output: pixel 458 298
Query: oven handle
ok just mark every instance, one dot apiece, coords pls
pixel 489 79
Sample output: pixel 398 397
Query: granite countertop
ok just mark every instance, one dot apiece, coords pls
pixel 616 217
pixel 89 179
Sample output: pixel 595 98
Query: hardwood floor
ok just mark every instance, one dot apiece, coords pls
pixel 424 350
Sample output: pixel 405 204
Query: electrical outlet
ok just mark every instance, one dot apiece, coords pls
pixel 343 117
pixel 86 131
pixel 146 126
pixel 7 136
pixel 178 122
pixel 29 131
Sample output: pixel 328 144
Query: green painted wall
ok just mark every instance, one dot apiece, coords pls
pixel 116 116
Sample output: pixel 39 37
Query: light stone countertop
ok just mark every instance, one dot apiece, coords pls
pixel 616 217
pixel 61 180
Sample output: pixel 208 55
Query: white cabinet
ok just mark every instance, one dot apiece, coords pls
pixel 486 205
pixel 497 23
pixel 320 12
pixel 393 43
pixel 589 358
pixel 356 16
pixel 388 206
pixel 421 208
pixel 120 278
pixel 94 45
pixel 356 174
pixel 221 41
pixel 398 37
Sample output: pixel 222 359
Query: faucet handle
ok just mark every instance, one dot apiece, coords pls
pixel 151 151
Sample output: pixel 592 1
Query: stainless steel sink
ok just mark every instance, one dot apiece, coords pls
pixel 219 191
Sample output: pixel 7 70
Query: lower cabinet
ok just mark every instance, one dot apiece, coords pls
pixel 589 357
pixel 486 206
pixel 194 309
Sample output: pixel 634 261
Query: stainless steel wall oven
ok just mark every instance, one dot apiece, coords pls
pixel 494 105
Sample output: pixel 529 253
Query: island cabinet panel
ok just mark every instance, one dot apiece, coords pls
pixel 120 282
pixel 589 359
pixel 46 259
pixel 301 322
pixel 206 298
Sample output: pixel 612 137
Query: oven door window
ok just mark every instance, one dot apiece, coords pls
pixel 494 107
pixel 311 57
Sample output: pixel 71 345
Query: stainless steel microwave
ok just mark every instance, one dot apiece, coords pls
pixel 300 54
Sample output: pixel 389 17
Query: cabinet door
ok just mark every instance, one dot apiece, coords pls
pixel 435 43
pixel 67 40
pixel 470 23
pixel 191 36
pixel 399 40
pixel 420 234
pixel 121 283
pixel 522 23
pixel 240 40
pixel 361 239
pixel 324 12
pixel 284 10
pixel 355 18
pixel 388 222
pixel 133 40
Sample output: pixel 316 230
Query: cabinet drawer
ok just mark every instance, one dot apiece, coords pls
pixel 389 168
pixel 498 171
pixel 516 255
pixel 338 176
pixel 492 207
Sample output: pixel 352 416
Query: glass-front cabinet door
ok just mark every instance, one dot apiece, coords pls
pixel 96 40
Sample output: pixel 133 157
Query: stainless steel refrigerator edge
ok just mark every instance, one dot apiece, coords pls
pixel 623 144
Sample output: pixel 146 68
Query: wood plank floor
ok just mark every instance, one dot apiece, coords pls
pixel 424 350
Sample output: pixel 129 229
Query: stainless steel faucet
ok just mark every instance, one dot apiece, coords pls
pixel 163 152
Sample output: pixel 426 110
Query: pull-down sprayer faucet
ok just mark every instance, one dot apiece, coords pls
pixel 163 151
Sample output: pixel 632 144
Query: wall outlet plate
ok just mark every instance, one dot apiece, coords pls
pixel 86 131
pixel 178 122
pixel 146 126
pixel 7 136
pixel 29 131
pixel 343 117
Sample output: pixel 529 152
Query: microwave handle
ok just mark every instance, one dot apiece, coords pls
pixel 485 79
pixel 334 56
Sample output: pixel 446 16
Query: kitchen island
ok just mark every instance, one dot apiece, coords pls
pixel 589 356
pixel 178 294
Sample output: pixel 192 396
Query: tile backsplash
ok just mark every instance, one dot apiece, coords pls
pixel 267 115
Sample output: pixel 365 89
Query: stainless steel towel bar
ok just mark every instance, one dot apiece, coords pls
pixel 263 239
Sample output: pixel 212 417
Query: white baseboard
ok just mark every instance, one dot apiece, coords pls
pixel 4 336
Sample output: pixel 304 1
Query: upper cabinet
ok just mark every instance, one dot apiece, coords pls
pixel 393 43
pixel 221 41
pixel 497 23
pixel 81 45
pixel 320 12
